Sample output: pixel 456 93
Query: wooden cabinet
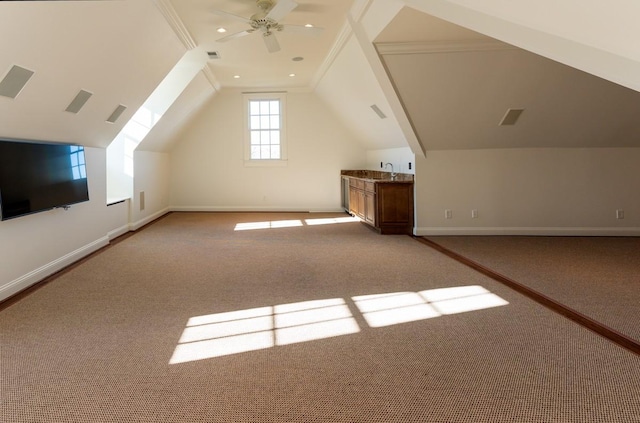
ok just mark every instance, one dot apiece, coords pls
pixel 385 205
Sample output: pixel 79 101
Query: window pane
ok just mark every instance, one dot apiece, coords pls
pixel 274 122
pixel 265 152
pixel 274 107
pixel 275 137
pixel 255 152
pixel 264 122
pixel 255 122
pixel 264 107
pixel 264 137
pixel 275 151
pixel 254 107
pixel 255 137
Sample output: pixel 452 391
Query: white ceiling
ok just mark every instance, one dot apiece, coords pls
pixel 247 56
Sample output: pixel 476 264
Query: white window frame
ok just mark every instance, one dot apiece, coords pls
pixel 282 98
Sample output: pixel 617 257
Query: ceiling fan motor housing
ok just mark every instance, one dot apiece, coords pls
pixel 264 5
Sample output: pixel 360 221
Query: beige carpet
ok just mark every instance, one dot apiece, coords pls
pixel 190 320
pixel 596 276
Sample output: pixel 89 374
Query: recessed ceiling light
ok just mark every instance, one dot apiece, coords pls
pixel 221 30
pixel 236 76
pixel 292 74
pixel 309 26
pixel 298 59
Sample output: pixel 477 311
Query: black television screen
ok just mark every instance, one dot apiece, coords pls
pixel 38 176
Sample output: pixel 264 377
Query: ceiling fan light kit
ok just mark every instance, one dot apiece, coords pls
pixel 266 20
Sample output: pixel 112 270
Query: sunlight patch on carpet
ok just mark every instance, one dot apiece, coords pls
pixel 220 334
pixel 275 224
pixel 234 332
pixel 381 310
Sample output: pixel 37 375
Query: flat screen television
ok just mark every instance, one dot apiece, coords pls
pixel 36 176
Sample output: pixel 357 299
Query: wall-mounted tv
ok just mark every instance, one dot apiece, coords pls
pixel 36 176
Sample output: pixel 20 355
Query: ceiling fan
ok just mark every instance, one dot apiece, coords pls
pixel 266 21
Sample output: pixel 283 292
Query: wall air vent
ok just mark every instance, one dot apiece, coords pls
pixel 116 113
pixel 511 117
pixel 378 111
pixel 14 81
pixel 213 55
pixel 79 101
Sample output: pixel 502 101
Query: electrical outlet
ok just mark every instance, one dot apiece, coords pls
pixel 409 165
pixel 381 165
pixel 448 214
pixel 474 214
pixel 619 214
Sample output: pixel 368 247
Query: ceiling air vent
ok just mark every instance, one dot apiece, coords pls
pixel 511 117
pixel 14 81
pixel 213 55
pixel 378 111
pixel 78 102
pixel 116 113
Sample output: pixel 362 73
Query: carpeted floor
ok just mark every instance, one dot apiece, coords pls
pixel 309 320
pixel 596 276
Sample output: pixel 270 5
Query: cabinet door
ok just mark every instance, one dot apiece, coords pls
pixel 370 207
pixel 361 204
pixel 353 201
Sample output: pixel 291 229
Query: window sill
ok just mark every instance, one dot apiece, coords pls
pixel 265 163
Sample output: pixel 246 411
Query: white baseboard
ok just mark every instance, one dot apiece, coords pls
pixel 118 232
pixel 50 268
pixel 524 231
pixel 134 226
pixel 253 209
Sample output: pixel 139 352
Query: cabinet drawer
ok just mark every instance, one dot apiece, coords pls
pixel 369 186
pixel 356 183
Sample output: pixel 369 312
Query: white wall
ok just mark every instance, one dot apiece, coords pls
pixel 152 178
pixel 40 244
pixel 207 162
pixel 529 191
pixel 400 158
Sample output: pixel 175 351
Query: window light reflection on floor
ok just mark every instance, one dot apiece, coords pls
pixel 267 225
pixel 221 334
pixel 274 224
pixel 402 307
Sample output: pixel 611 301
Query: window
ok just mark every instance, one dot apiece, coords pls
pixel 265 131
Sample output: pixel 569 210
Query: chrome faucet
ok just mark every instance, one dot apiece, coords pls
pixel 393 174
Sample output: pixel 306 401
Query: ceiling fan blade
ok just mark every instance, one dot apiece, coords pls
pixel 231 16
pixel 281 9
pixel 236 35
pixel 271 42
pixel 299 29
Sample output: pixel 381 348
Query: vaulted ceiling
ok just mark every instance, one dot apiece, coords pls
pixel 454 83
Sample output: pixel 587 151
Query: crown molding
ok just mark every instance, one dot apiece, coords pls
pixel 338 45
pixel 429 47
pixel 170 14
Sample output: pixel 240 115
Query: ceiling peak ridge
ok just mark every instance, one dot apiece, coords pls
pixel 172 18
pixel 449 46
pixel 358 10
